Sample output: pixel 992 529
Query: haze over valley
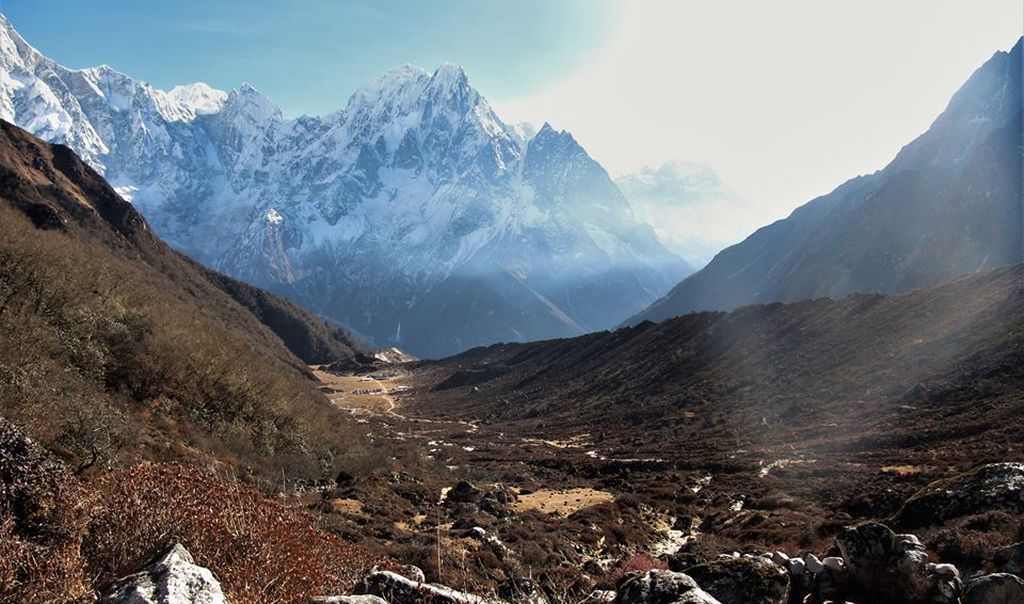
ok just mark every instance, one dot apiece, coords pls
pixel 413 350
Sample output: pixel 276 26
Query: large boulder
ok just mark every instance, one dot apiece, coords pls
pixel 661 587
pixel 463 492
pixel 173 579
pixel 887 567
pixel 1000 588
pixel 743 580
pixel 397 589
pixel 997 486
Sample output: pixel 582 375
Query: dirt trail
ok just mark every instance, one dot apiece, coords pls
pixel 371 397
pixel 368 395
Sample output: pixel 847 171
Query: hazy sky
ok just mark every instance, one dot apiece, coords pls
pixel 784 99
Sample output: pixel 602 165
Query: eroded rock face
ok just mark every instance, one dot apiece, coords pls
pixel 661 587
pixel 173 579
pixel 999 588
pixel 743 580
pixel 998 486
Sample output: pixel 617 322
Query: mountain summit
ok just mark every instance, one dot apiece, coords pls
pixel 948 204
pixel 415 215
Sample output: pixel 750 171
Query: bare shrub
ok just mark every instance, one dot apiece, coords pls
pixel 261 550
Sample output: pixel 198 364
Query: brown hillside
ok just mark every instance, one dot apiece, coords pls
pixel 932 368
pixel 113 345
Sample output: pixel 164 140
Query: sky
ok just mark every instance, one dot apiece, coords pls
pixel 785 100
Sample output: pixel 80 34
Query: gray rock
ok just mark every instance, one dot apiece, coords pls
pixel 999 588
pixel 797 566
pixel 661 587
pixel 397 589
pixel 781 559
pixel 893 568
pixel 813 564
pixel 743 580
pixel 173 579
pixel 998 486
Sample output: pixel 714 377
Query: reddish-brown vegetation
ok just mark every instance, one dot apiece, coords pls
pixel 261 550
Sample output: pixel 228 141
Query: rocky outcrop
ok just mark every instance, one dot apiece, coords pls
pixel 397 589
pixel 463 492
pixel 998 486
pixel 743 580
pixel 876 565
pixel 661 587
pixel 1000 588
pixel 894 568
pixel 173 579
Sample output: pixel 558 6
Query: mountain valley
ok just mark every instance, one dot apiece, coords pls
pixel 414 216
pixel 410 353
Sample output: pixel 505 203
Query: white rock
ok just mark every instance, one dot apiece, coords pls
pixel 943 570
pixel 173 579
pixel 414 572
pixel 781 559
pixel 834 564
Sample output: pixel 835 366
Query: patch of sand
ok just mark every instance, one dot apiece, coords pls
pixel 903 470
pixel 562 501
pixel 352 507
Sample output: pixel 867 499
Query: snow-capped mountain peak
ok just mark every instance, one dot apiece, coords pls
pixel 414 215
pixel 200 98
pixel 253 104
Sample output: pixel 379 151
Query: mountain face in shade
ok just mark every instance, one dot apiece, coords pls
pixel 690 209
pixel 414 216
pixel 948 204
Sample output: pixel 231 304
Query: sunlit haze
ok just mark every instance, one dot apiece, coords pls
pixel 785 100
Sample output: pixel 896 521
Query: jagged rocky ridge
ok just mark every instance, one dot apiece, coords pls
pixel 948 204
pixel 414 216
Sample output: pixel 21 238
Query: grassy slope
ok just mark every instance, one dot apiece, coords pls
pixel 113 345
